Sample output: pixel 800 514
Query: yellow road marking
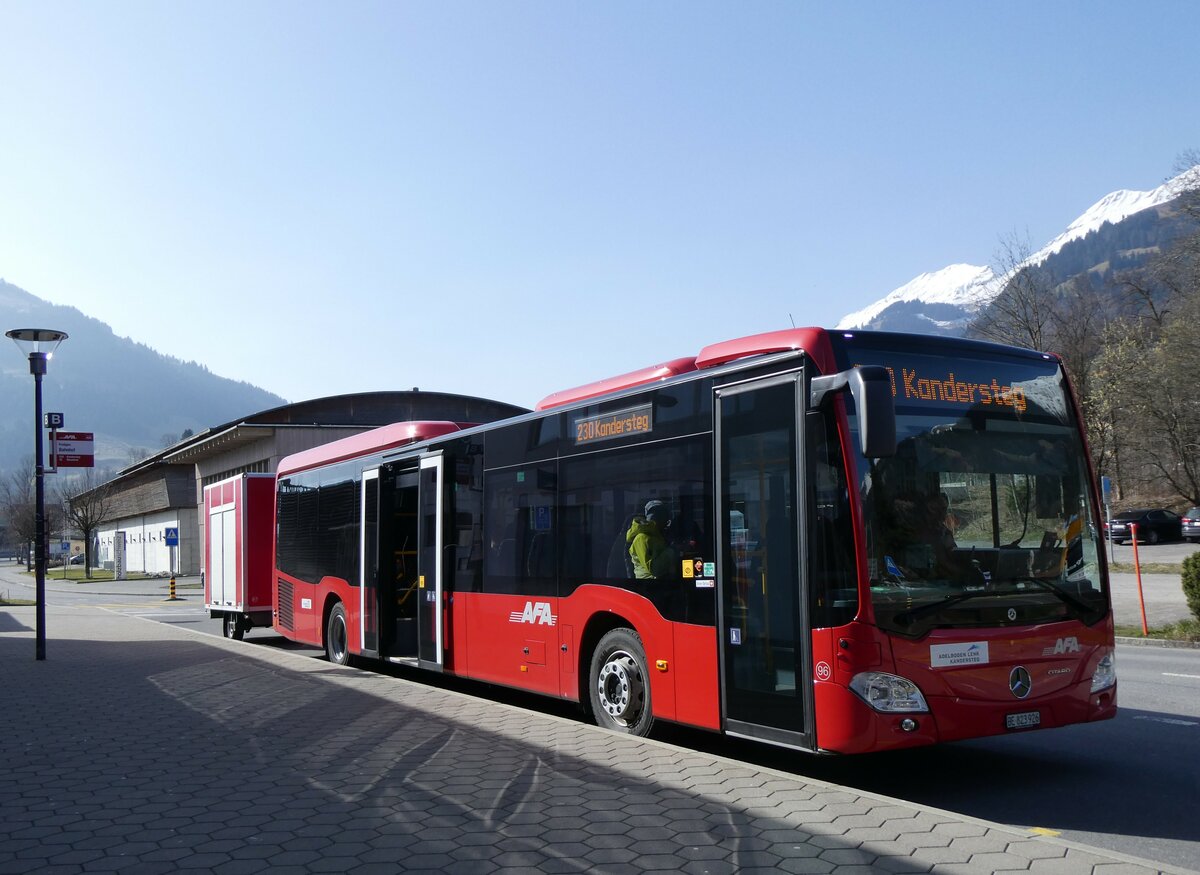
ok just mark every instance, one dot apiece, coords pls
pixel 1043 831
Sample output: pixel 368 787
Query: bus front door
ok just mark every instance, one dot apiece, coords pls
pixel 764 652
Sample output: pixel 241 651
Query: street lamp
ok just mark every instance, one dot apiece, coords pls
pixel 39 344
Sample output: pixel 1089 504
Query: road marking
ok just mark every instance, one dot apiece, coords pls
pixel 1169 720
pixel 1044 831
pixel 1168 674
pixel 141 605
pixel 173 616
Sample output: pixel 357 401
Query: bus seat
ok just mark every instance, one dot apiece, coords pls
pixel 502 561
pixel 540 563
pixel 576 557
pixel 620 563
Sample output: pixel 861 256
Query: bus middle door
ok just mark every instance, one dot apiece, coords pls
pixel 431 569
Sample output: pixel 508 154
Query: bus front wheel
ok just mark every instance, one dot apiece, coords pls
pixel 619 685
pixel 337 640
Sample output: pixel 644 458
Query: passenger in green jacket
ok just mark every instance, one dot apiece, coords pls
pixel 647 540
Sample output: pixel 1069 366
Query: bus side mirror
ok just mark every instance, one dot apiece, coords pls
pixel 871 388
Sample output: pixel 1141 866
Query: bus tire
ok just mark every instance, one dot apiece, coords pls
pixel 231 627
pixel 619 684
pixel 337 637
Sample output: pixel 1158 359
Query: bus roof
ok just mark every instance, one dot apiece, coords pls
pixel 377 440
pixel 814 341
pixel 612 384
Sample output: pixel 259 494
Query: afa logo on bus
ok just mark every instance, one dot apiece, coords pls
pixel 537 613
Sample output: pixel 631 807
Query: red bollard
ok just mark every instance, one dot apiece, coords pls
pixel 1137 567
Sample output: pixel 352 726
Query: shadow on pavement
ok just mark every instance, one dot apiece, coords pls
pixel 9 623
pixel 170 752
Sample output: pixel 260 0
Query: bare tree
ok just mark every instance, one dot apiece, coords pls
pixel 1022 313
pixel 88 505
pixel 1145 372
pixel 137 454
pixel 18 505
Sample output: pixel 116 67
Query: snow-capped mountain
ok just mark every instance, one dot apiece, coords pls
pixel 945 301
pixel 941 302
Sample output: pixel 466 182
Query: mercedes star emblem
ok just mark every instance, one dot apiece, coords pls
pixel 1019 682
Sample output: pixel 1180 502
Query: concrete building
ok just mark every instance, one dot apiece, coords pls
pixel 165 491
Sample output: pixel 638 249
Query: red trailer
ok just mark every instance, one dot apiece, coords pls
pixel 239 533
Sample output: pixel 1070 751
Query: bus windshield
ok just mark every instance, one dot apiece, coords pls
pixel 983 515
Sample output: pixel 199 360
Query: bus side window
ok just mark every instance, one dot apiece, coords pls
pixel 833 583
pixel 521 512
pixel 605 496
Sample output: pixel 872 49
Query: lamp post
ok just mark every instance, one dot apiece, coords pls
pixel 39 344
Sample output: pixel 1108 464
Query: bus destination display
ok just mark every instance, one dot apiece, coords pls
pixel 621 423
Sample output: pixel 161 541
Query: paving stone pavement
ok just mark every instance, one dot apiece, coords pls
pixel 139 747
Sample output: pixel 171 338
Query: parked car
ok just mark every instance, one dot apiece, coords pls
pixel 77 559
pixel 1152 526
pixel 1191 524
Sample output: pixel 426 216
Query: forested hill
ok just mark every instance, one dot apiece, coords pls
pixel 1126 245
pixel 132 397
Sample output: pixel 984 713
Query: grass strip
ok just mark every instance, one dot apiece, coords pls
pixel 1184 630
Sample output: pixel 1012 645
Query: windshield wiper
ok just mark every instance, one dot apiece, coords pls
pixel 1074 601
pixel 909 617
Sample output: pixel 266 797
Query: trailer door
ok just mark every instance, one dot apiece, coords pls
pixel 765 648
pixel 222 557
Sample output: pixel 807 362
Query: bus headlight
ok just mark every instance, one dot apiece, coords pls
pixel 1106 673
pixel 888 692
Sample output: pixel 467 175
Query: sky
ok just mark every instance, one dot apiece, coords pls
pixel 506 199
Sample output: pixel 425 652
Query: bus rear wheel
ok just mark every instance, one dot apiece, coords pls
pixel 619 685
pixel 337 639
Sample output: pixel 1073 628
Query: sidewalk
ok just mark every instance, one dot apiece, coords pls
pixel 142 747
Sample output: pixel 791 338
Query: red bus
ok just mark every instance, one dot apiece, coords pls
pixel 829 541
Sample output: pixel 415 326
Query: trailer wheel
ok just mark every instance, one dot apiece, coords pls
pixel 232 626
pixel 337 646
pixel 619 685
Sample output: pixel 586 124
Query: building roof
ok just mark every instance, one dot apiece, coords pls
pixel 357 411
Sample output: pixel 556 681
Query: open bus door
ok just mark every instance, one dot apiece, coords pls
pixel 403 576
pixel 431 573
pixel 408 593
pixel 369 565
pixel 765 648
